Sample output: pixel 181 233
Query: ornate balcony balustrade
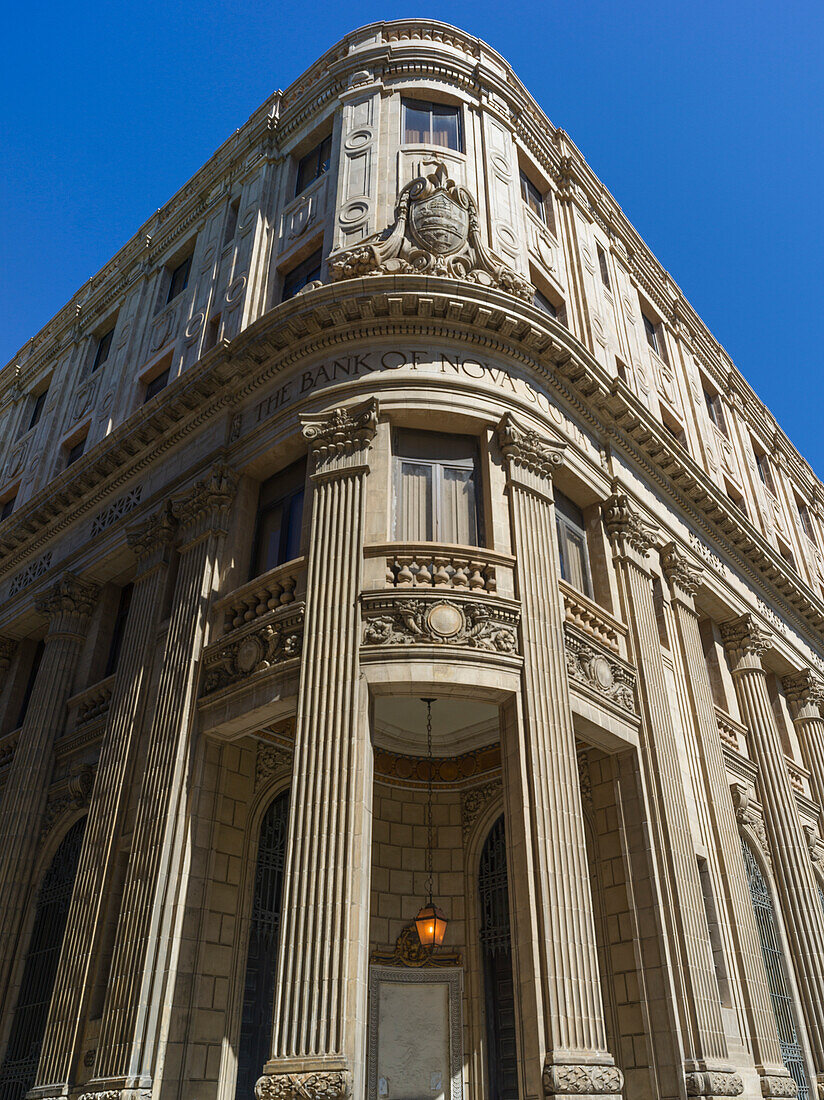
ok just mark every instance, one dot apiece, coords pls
pixel 595 668
pixel 262 595
pixel 799 777
pixel 90 705
pixel 440 618
pixel 593 620
pixel 732 733
pixel 427 566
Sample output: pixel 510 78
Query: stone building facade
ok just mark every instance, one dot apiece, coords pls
pixel 390 403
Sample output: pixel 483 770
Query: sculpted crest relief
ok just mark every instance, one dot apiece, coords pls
pixel 436 232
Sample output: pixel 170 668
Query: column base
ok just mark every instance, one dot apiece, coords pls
pixel 582 1080
pixel 714 1082
pixel 117 1088
pixel 304 1079
pixel 776 1085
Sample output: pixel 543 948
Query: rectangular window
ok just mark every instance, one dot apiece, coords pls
pixel 533 198
pixel 75 451
pixel 651 330
pixel 715 410
pixel 603 265
pixel 427 123
pixel 314 164
pixel 119 629
pixel 37 657
pixel 673 426
pixel 762 461
pixel 735 497
pixel 540 301
pixel 572 544
pixel 7 507
pixel 179 279
pixel 787 554
pixel 436 488
pixel 279 519
pixel 104 345
pixel 212 333
pixel 37 409
pixel 231 222
pixel 306 272
pixel 158 383
pixel 806 519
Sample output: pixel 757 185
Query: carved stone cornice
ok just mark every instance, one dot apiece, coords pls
pixel 575 1080
pixel 204 509
pixel 805 693
pixel 745 641
pixel 528 452
pixel 625 527
pixel 679 570
pixel 7 650
pixel 339 440
pixel 68 605
pixel 150 539
pixel 314 1085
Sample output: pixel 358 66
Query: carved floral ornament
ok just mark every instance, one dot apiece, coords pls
pixel 342 433
pixel 748 815
pixel 599 670
pixel 70 598
pixel 679 570
pixel 473 625
pixel 436 232
pixel 579 1080
pixel 745 640
pixel 805 693
pixel 527 449
pixel 624 524
pixel 319 1085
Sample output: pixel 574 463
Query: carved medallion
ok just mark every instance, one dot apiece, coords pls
pixel 440 223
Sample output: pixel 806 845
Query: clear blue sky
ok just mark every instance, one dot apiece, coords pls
pixel 703 117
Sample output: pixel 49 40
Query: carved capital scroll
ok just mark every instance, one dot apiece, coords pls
pixel 745 641
pixel 68 604
pixel 339 440
pixel 805 693
pixel 625 527
pixel 679 570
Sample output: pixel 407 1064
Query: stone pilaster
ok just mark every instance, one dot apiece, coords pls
pixel 7 651
pixel 141 979
pixel 68 606
pixel 555 944
pixel 319 1030
pixel 694 990
pixel 805 694
pixel 150 542
pixel 722 839
pixel 746 641
pixel 7 648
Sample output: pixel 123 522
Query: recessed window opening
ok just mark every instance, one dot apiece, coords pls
pixel 533 197
pixel 231 221
pixel 715 410
pixel 119 629
pixel 806 519
pixel 714 927
pixel 674 428
pixel 75 451
pixel 279 519
pixel 307 271
pixel 787 554
pixel 179 279
pixel 655 336
pixel 572 544
pixel 603 266
pixel 540 301
pixel 621 369
pixel 426 123
pixel 436 488
pixel 212 333
pixel 314 165
pixel 736 498
pixel 38 405
pixel 764 466
pixel 104 346
pixel 7 507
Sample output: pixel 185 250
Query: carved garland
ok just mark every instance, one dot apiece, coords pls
pixel 392 621
pixel 320 1085
pixel 266 645
pixel 599 671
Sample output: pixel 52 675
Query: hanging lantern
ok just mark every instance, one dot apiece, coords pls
pixel 431 921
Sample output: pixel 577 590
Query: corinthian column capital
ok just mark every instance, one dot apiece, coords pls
pixel 150 539
pixel 805 693
pixel 631 536
pixel 531 457
pixel 339 440
pixel 68 605
pixel 204 509
pixel 745 641
pixel 680 571
pixel 7 648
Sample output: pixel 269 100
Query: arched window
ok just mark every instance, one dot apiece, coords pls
pixel 28 1025
pixel 783 1008
pixel 496 950
pixel 261 960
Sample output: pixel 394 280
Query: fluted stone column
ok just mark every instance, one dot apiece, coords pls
pixel 150 542
pixel 68 607
pixel 723 837
pixel 697 1005
pixel 141 978
pixel 7 651
pixel 555 945
pixel 805 694
pixel 319 1029
pixel 745 641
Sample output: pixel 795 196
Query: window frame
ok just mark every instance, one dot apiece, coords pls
pixel 805 519
pixel 539 198
pixel 765 471
pixel 7 506
pixel 295 475
pixel 437 466
pixel 72 452
pixel 151 389
pixel 434 109
pixel 312 265
pixel 102 350
pixel 570 526
pixel 715 410
pixel 37 408
pixel 322 166
pixel 603 264
pixel 185 263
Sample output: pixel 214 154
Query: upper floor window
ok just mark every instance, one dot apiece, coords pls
pixel 104 346
pixel 158 383
pixel 436 488
pixel 715 410
pixel 806 519
pixel 603 264
pixel 279 519
pixel 762 461
pixel 179 279
pixel 7 507
pixel 307 271
pixel 540 301
pixel 38 405
pixel 314 164
pixel 651 329
pixel 119 629
pixel 427 123
pixel 231 221
pixel 735 497
pixel 75 451
pixel 533 197
pixel 572 544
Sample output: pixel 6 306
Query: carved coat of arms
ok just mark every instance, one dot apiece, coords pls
pixel 436 232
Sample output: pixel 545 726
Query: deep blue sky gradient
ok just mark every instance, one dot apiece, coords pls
pixel 703 117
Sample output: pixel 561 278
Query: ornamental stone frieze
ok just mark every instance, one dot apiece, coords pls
pixel 599 670
pixel 486 625
pixel 714 1083
pixel 582 1080
pixel 320 1085
pixel 268 642
pixel 436 232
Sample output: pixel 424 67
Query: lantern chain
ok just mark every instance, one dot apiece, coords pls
pixel 429 829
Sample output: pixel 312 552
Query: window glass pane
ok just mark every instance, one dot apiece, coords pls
pixel 416 122
pixel 458 520
pixel 300 276
pixel 575 559
pixel 445 127
pixel 649 329
pixel 415 503
pixel 104 345
pixel 540 301
pixel 290 543
pixel 270 524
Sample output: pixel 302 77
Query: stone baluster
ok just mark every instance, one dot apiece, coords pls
pixel 805 695
pixel 564 1049
pixel 141 977
pixel 68 606
pixel 150 542
pixel 746 641
pixel 319 1030
pixel 695 1001
pixel 713 795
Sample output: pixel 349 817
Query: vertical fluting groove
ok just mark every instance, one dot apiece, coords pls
pixel 135 966
pixel 567 951
pixel 723 838
pixel 791 862
pixel 109 797
pixel 697 997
